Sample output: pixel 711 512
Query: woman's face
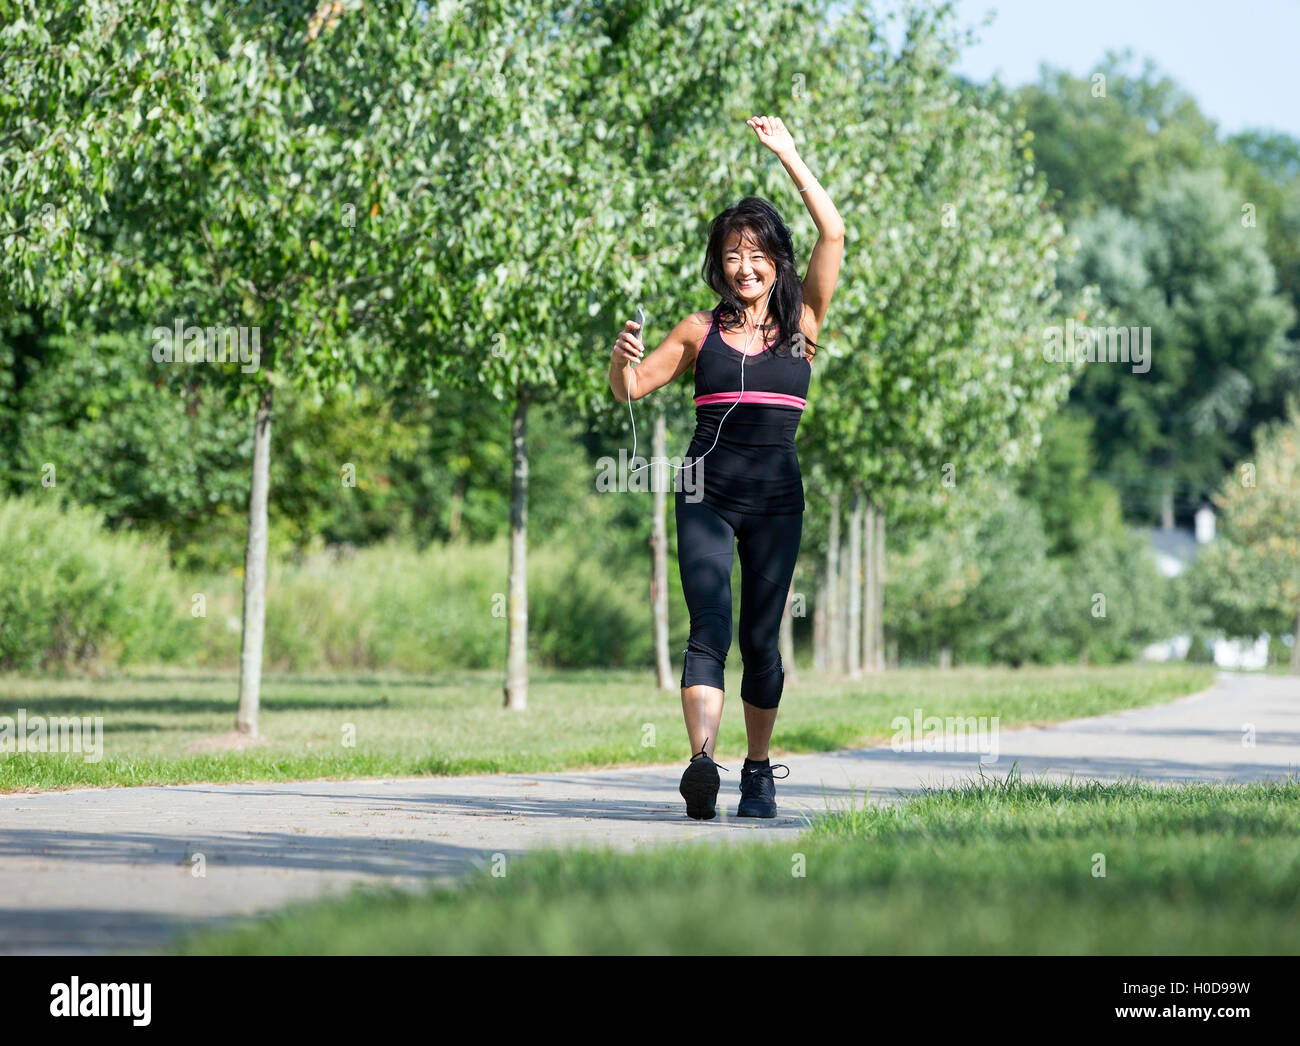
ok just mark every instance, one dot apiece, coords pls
pixel 746 266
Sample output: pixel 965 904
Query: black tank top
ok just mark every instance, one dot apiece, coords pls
pixel 754 466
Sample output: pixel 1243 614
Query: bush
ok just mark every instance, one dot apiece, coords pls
pixel 390 606
pixel 74 595
pixel 984 585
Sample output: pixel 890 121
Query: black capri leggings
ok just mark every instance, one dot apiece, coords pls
pixel 769 546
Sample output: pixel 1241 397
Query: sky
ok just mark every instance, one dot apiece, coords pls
pixel 1240 60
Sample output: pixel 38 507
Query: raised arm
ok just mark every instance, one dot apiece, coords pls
pixel 673 358
pixel 828 252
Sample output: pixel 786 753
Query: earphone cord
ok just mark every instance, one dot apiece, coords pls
pixel 744 356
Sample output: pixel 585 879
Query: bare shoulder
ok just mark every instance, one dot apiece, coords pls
pixel 696 328
pixel 702 319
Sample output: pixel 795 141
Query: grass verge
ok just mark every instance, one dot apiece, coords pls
pixel 1000 866
pixel 397 726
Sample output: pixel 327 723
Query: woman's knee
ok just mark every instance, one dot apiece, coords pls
pixel 761 684
pixel 703 664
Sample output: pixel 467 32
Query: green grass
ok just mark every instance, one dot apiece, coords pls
pixel 453 723
pixel 1000 866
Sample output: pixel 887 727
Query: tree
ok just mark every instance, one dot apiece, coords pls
pixel 1075 506
pixel 599 150
pixel 75 81
pixel 1186 268
pixel 1104 139
pixel 932 368
pixel 280 187
pixel 1249 577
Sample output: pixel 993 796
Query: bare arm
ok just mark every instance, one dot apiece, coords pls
pixel 673 358
pixel 828 252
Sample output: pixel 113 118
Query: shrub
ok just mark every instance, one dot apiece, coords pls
pixel 75 595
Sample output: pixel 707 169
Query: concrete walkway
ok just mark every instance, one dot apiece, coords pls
pixel 104 870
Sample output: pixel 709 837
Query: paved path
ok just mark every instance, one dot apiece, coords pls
pixel 98 870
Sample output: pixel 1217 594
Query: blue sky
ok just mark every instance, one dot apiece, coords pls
pixel 1239 60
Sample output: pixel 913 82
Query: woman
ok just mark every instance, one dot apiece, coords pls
pixel 749 395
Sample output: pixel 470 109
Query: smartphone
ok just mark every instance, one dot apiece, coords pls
pixel 640 326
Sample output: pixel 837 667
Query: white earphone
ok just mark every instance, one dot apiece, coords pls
pixel 744 355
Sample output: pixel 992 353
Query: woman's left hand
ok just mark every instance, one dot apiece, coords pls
pixel 772 133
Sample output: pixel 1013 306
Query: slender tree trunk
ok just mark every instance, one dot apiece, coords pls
pixel 516 686
pixel 819 626
pixel 254 629
pixel 845 583
pixel 868 577
pixel 457 508
pixel 1167 509
pixel 854 646
pixel 878 615
pixel 659 553
pixel 833 622
pixel 1295 647
pixel 786 639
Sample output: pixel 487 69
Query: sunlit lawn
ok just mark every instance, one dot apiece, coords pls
pixel 388 725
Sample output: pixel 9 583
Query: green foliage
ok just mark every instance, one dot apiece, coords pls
pixel 1248 580
pixel 1105 139
pixel 1265 168
pixel 981 585
pixel 1135 167
pixel 72 596
pixel 465 204
pixel 1185 267
pixel 1117 600
pixel 934 338
pixel 1075 508
pixel 87 94
pixel 174 461
pixel 986 583
pixel 392 607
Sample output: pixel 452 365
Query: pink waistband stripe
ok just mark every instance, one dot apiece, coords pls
pixel 776 399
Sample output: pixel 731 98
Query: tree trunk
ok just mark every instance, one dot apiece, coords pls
pixel 868 524
pixel 854 645
pixel 659 553
pixel 878 594
pixel 845 583
pixel 516 686
pixel 254 626
pixel 819 627
pixel 1166 509
pixel 1295 647
pixel 786 639
pixel 457 508
pixel 833 623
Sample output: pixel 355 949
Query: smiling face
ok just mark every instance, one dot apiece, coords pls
pixel 747 266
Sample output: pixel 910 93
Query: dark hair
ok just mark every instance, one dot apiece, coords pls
pixel 760 218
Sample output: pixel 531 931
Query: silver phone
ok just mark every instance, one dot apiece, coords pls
pixel 640 325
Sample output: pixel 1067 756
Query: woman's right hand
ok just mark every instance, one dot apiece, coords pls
pixel 628 346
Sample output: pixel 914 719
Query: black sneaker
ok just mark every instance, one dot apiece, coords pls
pixel 757 791
pixel 699 786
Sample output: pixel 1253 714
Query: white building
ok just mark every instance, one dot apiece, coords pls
pixel 1174 551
